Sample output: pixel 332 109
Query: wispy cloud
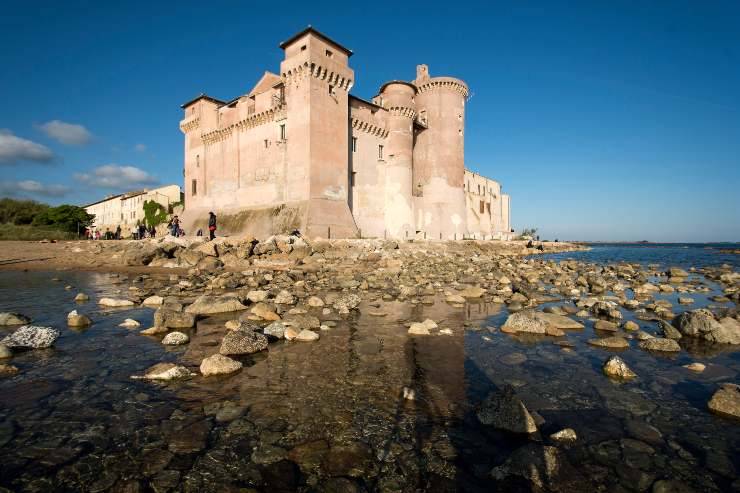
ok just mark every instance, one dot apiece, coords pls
pixel 140 147
pixel 66 133
pixel 25 188
pixel 14 149
pixel 117 177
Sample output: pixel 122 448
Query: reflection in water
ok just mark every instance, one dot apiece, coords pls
pixel 332 416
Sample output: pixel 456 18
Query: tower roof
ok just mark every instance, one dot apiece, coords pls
pixel 318 34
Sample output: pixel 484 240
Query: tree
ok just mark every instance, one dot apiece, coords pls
pixel 529 232
pixel 64 217
pixel 154 213
pixel 19 211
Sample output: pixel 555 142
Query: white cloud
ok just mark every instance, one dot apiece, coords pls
pixel 140 147
pixel 117 177
pixel 31 187
pixel 13 149
pixel 66 133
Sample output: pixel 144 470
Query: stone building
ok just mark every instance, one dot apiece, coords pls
pixel 127 209
pixel 299 151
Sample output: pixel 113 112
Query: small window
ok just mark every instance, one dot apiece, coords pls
pixel 194 187
pixel 303 48
pixel 197 160
pixel 482 207
pixel 380 152
pixel 282 132
pixel 354 144
pixel 331 90
pixel 329 54
pixel 478 189
pixel 267 143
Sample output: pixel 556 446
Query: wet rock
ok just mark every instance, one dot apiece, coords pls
pixel 206 305
pixel 31 337
pixel 614 342
pixel 525 321
pixel 454 298
pixel 81 298
pixel 630 326
pixel 243 341
pixel 175 339
pixel 153 301
pixel 307 335
pixel 172 319
pixel 606 309
pixel 558 321
pixel 685 300
pixel 165 371
pixel 506 411
pixel 219 364
pixel 545 468
pixel 668 330
pixel 605 325
pixel 615 367
pixel 726 401
pixel 567 435
pixel 9 318
pixel 129 323
pixel 268 454
pixel 5 352
pixel 702 324
pixel 151 331
pixel 7 369
pixel 514 358
pixel 643 431
pixel 660 344
pixel 75 319
pixel 275 329
pixel 696 367
pixel 115 303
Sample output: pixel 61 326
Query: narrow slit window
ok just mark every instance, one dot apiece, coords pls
pixel 282 132
pixel 482 207
pixel 380 152
pixel 354 144
pixel 329 54
pixel 194 187
pixel 267 142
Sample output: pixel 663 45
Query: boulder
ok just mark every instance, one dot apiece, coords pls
pixel 726 401
pixel 702 324
pixel 175 339
pixel 506 411
pixel 165 371
pixel 615 367
pixel 219 364
pixel 243 341
pixel 660 344
pixel 31 337
pixel 75 319
pixel 206 305
pixel 525 321
pixel 172 319
pixel 10 318
pixel 115 303
pixel 140 253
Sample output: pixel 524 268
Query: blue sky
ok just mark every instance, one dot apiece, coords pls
pixel 603 120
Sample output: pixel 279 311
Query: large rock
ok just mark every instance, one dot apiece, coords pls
pixel 243 341
pixel 206 305
pixel 31 337
pixel 9 318
pixel 545 468
pixel 726 401
pixel 525 321
pixel 505 410
pixel 140 253
pixel 219 364
pixel 175 339
pixel 616 367
pixel 165 371
pixel 172 319
pixel 702 324
pixel 115 303
pixel 660 344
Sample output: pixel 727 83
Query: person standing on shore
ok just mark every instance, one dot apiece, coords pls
pixel 174 226
pixel 118 232
pixel 212 224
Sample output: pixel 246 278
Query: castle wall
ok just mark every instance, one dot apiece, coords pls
pixel 484 207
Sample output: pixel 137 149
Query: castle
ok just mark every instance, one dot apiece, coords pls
pixel 300 152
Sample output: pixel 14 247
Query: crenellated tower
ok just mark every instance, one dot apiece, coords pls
pixel 439 156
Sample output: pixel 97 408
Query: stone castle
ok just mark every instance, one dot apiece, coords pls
pixel 299 151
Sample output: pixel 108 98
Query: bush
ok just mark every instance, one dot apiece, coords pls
pixel 19 211
pixel 154 213
pixel 70 218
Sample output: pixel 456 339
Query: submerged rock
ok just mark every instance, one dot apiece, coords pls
pixel 726 401
pixel 243 341
pixel 81 297
pixel 506 411
pixel 616 367
pixel 668 330
pixel 7 370
pixel 543 466
pixel 568 435
pixel 165 371
pixel 422 328
pixel 697 367
pixel 219 364
pixel 10 318
pixel 31 337
pixel 702 324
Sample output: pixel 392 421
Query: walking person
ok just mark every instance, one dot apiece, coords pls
pixel 212 224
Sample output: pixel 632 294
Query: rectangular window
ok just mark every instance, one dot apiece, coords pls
pixel 354 144
pixel 482 207
pixel 380 152
pixel 331 90
pixel 282 132
pixel 329 53
pixel 267 142
pixel 478 189
pixel 194 187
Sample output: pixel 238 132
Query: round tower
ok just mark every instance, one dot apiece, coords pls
pixel 398 99
pixel 439 156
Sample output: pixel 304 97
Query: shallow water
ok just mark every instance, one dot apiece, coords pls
pixel 331 416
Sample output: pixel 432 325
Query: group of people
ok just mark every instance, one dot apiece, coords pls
pixel 142 231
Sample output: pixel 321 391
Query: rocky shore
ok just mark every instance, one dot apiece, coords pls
pixel 230 303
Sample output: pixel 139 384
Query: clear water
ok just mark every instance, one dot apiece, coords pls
pixel 331 416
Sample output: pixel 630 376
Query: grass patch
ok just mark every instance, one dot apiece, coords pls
pixel 26 232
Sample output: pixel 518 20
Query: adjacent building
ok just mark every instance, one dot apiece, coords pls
pixel 127 209
pixel 298 151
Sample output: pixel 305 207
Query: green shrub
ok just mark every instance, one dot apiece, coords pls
pixel 19 211
pixel 154 213
pixel 70 218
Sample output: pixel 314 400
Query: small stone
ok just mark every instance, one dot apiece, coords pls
pixel 275 329
pixel 157 329
pixel 567 435
pixel 697 367
pixel 446 332
pixel 175 339
pixel 81 298
pixel 153 301
pixel 165 371
pixel 315 302
pixel 454 298
pixel 75 319
pixel 219 364
pixel 233 324
pixel 5 352
pixel 129 323
pixel 685 300
pixel 409 394
pixel 6 369
pixel 616 367
pixel 243 341
pixel 257 296
pixel 630 326
pixel 284 298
